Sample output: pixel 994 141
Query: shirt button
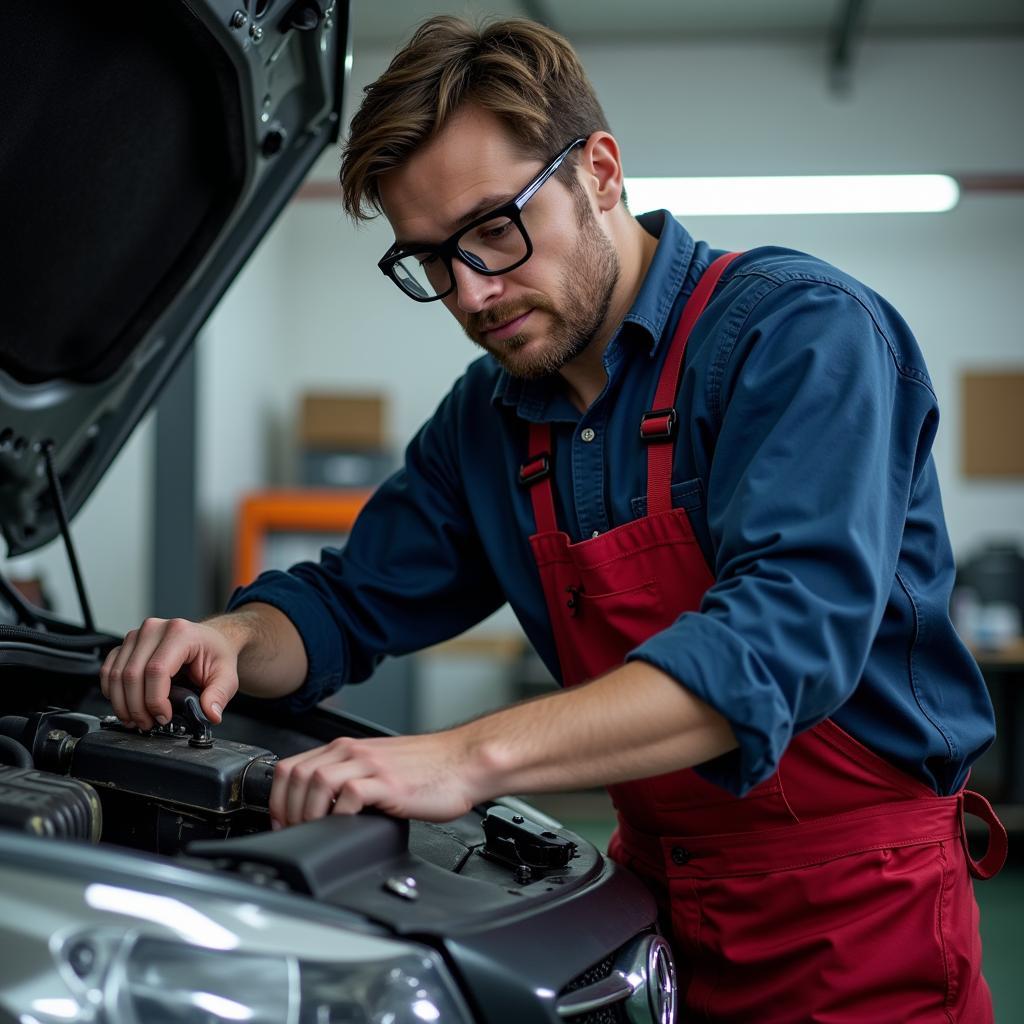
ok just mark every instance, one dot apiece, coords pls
pixel 680 855
pixel 588 435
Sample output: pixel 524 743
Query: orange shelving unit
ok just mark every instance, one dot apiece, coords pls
pixel 289 511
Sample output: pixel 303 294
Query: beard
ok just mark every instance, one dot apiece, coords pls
pixel 587 283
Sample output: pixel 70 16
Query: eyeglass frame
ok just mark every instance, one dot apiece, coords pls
pixel 449 249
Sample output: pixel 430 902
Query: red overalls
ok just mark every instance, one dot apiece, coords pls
pixel 836 890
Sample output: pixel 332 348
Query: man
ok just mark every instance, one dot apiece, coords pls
pixel 703 483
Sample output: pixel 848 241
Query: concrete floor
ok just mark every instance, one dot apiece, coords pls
pixel 1002 934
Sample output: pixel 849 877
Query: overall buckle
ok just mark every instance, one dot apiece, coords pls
pixel 658 425
pixel 536 469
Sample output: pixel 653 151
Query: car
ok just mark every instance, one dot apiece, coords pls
pixel 148 147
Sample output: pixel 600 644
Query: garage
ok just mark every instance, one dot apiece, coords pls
pixel 645 645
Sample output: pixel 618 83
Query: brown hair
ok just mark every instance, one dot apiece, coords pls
pixel 519 70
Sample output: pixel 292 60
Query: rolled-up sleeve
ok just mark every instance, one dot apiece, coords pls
pixel 818 434
pixel 412 572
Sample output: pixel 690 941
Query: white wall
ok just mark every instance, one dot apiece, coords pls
pixel 745 109
pixel 312 310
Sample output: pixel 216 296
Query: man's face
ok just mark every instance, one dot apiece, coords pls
pixel 542 315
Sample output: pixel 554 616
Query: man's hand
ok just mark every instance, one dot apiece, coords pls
pixel 136 677
pixel 633 723
pixel 425 777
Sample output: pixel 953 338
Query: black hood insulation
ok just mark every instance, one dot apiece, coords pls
pixel 122 163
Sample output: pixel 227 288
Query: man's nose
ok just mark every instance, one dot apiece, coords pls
pixel 474 291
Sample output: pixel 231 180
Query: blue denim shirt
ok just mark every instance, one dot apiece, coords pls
pixel 803 459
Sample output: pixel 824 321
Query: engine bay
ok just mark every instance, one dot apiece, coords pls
pixel 153 791
pixel 180 792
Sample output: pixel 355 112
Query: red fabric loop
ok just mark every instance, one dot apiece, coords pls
pixel 998 843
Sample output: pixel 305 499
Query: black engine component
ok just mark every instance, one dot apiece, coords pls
pixel 159 790
pixel 49 805
pixel 14 754
pixel 523 844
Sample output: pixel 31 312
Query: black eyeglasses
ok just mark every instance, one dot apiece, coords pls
pixel 492 244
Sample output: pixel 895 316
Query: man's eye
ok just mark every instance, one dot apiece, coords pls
pixel 492 233
pixel 427 259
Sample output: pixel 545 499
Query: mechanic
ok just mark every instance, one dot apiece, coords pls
pixel 703 482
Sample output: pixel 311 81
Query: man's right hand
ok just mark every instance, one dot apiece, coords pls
pixel 136 677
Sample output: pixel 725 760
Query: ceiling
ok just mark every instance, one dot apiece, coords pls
pixel 386 23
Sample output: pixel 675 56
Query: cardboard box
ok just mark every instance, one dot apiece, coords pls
pixel 343 421
pixel 993 423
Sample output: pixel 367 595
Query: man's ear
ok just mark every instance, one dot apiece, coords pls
pixel 601 166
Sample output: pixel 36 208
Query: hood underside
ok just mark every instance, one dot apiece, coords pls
pixel 147 148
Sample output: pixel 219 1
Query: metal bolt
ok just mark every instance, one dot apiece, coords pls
pixel 255 33
pixel 82 958
pixel 404 887
pixel 517 819
pixel 238 19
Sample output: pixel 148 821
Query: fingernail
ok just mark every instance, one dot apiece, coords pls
pixel 275 824
pixel 162 719
pixel 218 710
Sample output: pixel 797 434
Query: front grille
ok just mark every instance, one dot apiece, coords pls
pixel 615 1014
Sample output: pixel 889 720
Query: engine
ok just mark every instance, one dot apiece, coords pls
pixel 74 775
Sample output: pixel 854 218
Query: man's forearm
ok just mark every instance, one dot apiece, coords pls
pixel 633 723
pixel 271 656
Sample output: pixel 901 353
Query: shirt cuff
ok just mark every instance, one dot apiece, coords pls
pixel 320 635
pixel 711 661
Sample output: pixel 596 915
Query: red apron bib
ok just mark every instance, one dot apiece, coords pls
pixel 836 890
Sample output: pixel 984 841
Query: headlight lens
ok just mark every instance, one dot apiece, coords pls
pixel 169 983
pixel 80 952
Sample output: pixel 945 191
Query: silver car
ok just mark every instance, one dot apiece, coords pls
pixel 147 147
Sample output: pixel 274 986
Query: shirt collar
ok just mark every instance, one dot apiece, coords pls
pixel 665 276
pixel 650 310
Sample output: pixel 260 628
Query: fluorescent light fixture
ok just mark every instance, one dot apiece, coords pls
pixel 845 193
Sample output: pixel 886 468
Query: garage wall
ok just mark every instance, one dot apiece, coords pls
pixel 927 106
pixel 311 310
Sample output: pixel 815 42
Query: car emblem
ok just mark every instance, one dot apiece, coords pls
pixel 654 999
pixel 661 982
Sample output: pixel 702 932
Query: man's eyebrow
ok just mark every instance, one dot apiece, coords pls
pixel 485 204
pixel 491 202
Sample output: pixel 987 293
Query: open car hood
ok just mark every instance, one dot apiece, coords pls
pixel 147 147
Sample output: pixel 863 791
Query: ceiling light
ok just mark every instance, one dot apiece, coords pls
pixel 846 193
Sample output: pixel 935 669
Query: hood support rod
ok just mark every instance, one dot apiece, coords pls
pixel 57 495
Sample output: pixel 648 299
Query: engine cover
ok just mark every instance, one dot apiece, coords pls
pixel 221 778
pixel 158 790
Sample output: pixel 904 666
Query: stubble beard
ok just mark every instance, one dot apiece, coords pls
pixel 587 284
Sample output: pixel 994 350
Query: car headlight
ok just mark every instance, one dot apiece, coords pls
pixel 168 983
pixel 90 953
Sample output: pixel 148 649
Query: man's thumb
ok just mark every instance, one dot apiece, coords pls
pixel 215 697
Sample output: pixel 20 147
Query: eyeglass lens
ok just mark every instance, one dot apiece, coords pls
pixel 493 246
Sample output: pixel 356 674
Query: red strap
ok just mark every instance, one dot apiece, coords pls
pixel 658 424
pixel 541 495
pixel 659 455
pixel 995 855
